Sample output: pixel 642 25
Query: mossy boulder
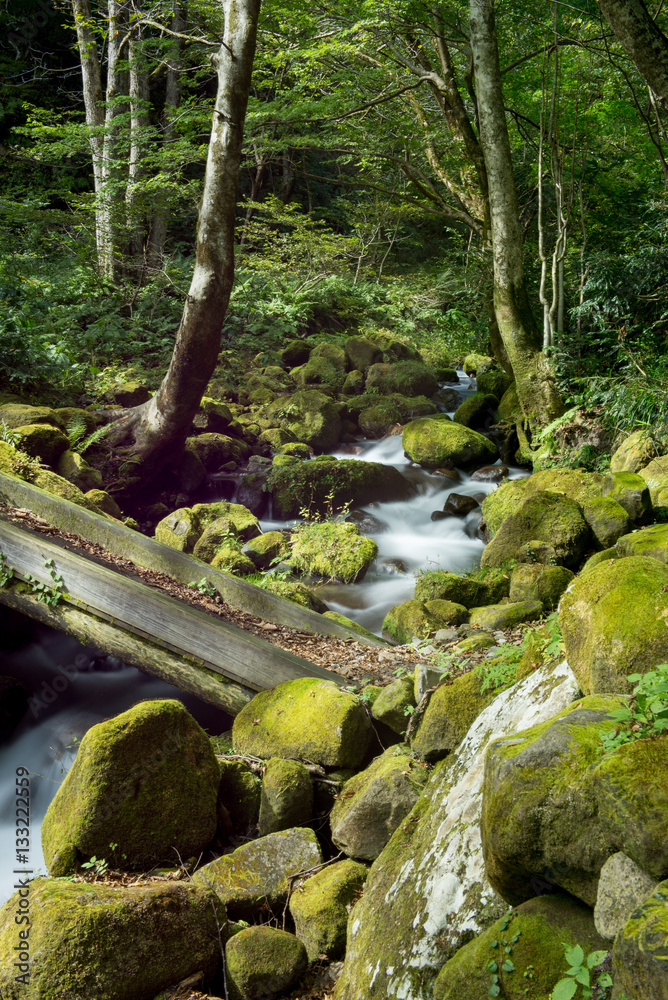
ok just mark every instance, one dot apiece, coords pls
pixel 374 803
pixel 640 952
pixel 213 416
pixel 15 415
pixel 287 796
pixel 293 591
pixel 164 932
pixel 429 883
pixel 449 613
pixel 555 808
pixel 318 371
pixel 259 874
pixel 535 582
pixel 361 353
pixel 394 704
pixel 53 483
pixel 472 590
pixel 238 524
pixel 613 620
pixel 622 886
pixel 636 451
pixel 376 420
pixel 75 469
pixel 310 416
pixel 305 718
pixel 543 517
pixel 632 492
pixel 607 519
pixel 476 411
pixel 576 484
pixel 354 384
pixel 450 712
pixel 496 616
pixel 409 619
pixel 532 940
pixel 435 441
pixel 320 907
pixel 409 378
pixel 130 393
pixel 412 407
pixel 106 503
pixel 146 781
pixel 179 530
pixel 317 485
pixel 239 791
pixel 243 523
pixel 478 364
pixel 294 352
pixel 263 962
pixel 42 441
pixel 267 548
pixel 494 382
pixel 230 559
pixel 213 450
pixel 334 550
pixel 651 542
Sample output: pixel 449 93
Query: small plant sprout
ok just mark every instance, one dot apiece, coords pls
pixel 204 587
pixel 647 713
pixel 6 571
pixel 97 865
pixel 579 976
pixel 42 591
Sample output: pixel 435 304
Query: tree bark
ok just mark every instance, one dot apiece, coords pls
pixel 160 426
pixel 643 40
pixel 536 389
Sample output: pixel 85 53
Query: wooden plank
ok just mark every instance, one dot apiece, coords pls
pixel 136 607
pixel 146 552
pixel 90 630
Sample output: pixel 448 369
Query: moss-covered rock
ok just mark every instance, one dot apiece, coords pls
pixel 632 492
pixel 451 711
pixel 409 378
pixel 476 411
pixel 532 940
pixel 496 616
pixel 376 420
pixel 543 517
pixel 375 802
pixel 320 907
pixel 267 548
pixel 640 952
pixel 535 582
pixel 53 483
pixel 294 352
pixel 394 704
pixel 258 873
pixel 361 353
pixel 622 886
pixel 651 541
pixel 164 932
pixel 509 406
pixel 607 519
pixel 239 791
pixel 354 384
pixel 213 416
pixel 409 619
pixel 179 530
pixel 494 382
pixel 478 364
pixel 287 796
pixel 576 484
pixel 598 557
pixel 429 883
pixel 309 415
pixel 316 486
pixel 75 469
pixel 613 620
pixel 635 451
pixel 237 524
pixel 472 590
pixel 42 441
pixel 318 371
pixel 263 962
pixel 146 781
pixel 349 623
pixel 305 718
pixel 434 441
pixel 333 550
pixel 243 523
pixel 129 393
pixel 213 450
pixel 448 612
pixel 106 503
pixel 293 591
pixel 231 560
pixel 15 415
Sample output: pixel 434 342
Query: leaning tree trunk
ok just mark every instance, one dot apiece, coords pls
pixel 643 40
pixel 536 389
pixel 160 426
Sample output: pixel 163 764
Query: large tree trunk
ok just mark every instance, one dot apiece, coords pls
pixel 160 426
pixel 536 389
pixel 643 40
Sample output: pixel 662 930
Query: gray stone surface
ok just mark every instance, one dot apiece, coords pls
pixel 622 887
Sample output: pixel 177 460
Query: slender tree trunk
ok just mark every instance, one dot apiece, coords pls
pixel 643 40
pixel 139 118
pixel 536 389
pixel 161 426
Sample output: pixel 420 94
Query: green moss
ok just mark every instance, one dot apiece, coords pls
pixel 239 792
pixel 494 382
pixel 307 719
pixel 432 441
pixel 632 493
pixel 544 517
pixel 145 780
pixel 576 484
pixel 179 530
pixel 449 612
pixel 496 616
pixel 635 452
pixel 409 378
pixel 165 932
pixel 267 548
pixel 473 590
pixel 262 962
pixel 452 710
pixel 309 415
pixel 376 420
pixel 231 560
pixel 287 796
pixel 298 593
pixel 333 550
pixel 475 410
pixel 349 623
pixel 640 952
pixel 320 908
pixel 607 519
pixel 534 582
pixel 652 541
pixel 409 619
pixel 318 371
pixel 394 704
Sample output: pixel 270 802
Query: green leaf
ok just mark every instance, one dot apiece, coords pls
pixel 508 966
pixel 494 991
pixel 492 967
pixel 582 977
pixel 564 990
pixel 574 956
pixel 595 958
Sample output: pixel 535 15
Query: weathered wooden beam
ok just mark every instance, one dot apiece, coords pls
pixel 109 638
pixel 240 656
pixel 146 552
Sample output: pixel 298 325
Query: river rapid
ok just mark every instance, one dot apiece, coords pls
pixel 74 687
